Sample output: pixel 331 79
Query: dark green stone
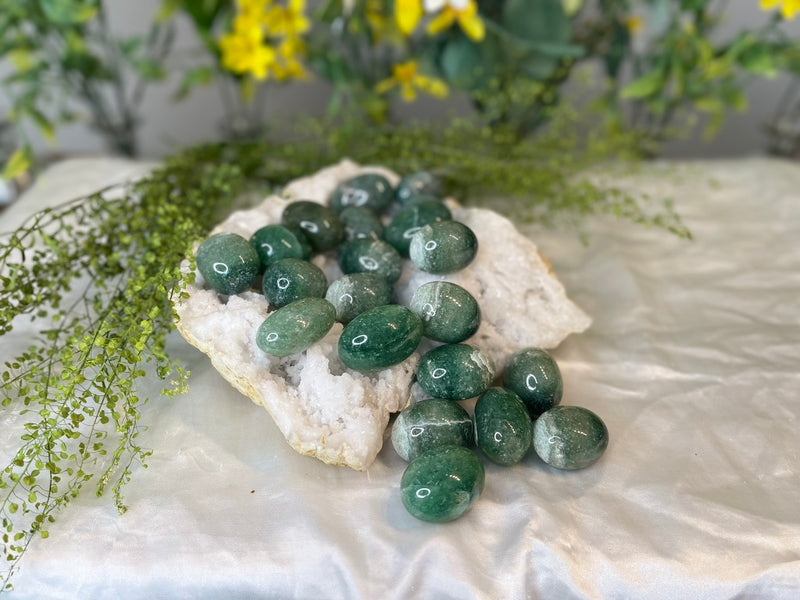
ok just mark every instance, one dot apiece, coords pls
pixel 534 376
pixel 442 484
pixel 276 242
pixel 569 437
pixel 422 199
pixel 429 424
pixel 353 294
pixel 421 183
pixel 410 220
pixel 369 190
pixel 319 224
pixel 228 263
pixel 295 327
pixel 302 238
pixel 455 371
pixel 443 247
pixel 449 313
pixel 503 429
pixel 361 223
pixel 290 279
pixel 380 337
pixel 371 256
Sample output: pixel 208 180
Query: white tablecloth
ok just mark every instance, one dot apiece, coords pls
pixel 693 361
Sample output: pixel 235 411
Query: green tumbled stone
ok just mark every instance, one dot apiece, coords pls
pixel 322 228
pixel 534 376
pixel 228 263
pixel 449 313
pixel 371 256
pixel 429 424
pixel 503 429
pixel 443 247
pixel 417 184
pixel 290 279
pixel 353 294
pixel 569 437
pixel 455 371
pixel 369 190
pixel 276 242
pixel 295 327
pixel 442 484
pixel 380 337
pixel 410 220
pixel 422 199
pixel 361 223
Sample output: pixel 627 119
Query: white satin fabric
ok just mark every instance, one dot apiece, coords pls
pixel 693 361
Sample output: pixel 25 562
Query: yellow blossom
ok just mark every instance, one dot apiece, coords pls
pixel 289 20
pixel 465 13
pixel 407 77
pixel 407 13
pixel 287 65
pixel 634 23
pixel 244 51
pixel 788 7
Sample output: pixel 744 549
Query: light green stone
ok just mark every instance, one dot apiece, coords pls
pixel 379 338
pixel 503 428
pixel 443 247
pixel 295 327
pixel 533 375
pixel 569 437
pixel 228 263
pixel 410 220
pixel 353 294
pixel 290 279
pixel 276 242
pixel 371 256
pixel 449 313
pixel 421 183
pixel 369 190
pixel 442 484
pixel 319 224
pixel 429 424
pixel 455 371
pixel 361 223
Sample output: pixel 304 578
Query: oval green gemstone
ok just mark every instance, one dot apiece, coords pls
pixel 380 337
pixel 371 256
pixel 360 223
pixel 276 242
pixel 228 263
pixel 422 199
pixel 455 371
pixel 290 279
pixel 443 247
pixel 533 375
pixel 353 294
pixel 569 437
pixel 410 220
pixel 295 327
pixel 430 424
pixel 449 313
pixel 503 428
pixel 302 238
pixel 369 190
pixel 322 228
pixel 442 484
pixel 417 184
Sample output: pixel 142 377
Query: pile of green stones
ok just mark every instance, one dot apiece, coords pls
pixel 373 226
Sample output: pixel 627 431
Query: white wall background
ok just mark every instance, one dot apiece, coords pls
pixel 168 125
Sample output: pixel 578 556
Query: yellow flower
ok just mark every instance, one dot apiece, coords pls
pixel 406 76
pixel 462 11
pixel 244 51
pixel 287 65
pixel 788 7
pixel 287 20
pixel 634 24
pixel 407 13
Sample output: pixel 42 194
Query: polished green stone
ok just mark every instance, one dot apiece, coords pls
pixel 380 337
pixel 302 238
pixel 371 256
pixel 410 220
pixel 369 190
pixel 443 247
pixel 361 223
pixel 321 226
pixel 533 375
pixel 429 424
pixel 295 327
pixel 290 279
pixel 442 484
pixel 228 263
pixel 449 313
pixel 417 184
pixel 353 294
pixel 422 199
pixel 276 242
pixel 503 428
pixel 455 371
pixel 569 437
